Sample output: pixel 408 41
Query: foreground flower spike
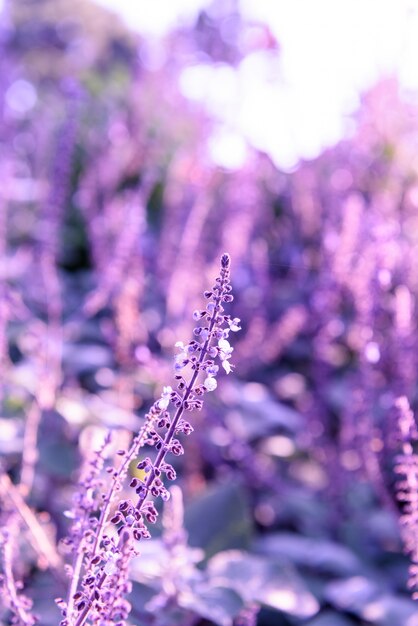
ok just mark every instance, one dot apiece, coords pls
pixel 198 356
pixel 111 539
pixel 407 488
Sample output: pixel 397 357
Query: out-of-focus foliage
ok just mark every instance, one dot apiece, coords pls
pixel 112 218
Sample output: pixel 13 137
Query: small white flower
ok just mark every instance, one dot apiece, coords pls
pixel 210 383
pixel 111 567
pixel 180 362
pixel 163 403
pixel 227 366
pixel 225 349
pixel 204 334
pixel 181 359
pixel 234 324
pixel 165 398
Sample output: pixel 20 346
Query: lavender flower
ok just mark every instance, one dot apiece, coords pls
pixel 103 547
pixel 407 488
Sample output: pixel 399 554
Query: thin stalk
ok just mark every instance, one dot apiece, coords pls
pixel 137 443
pixel 41 542
pixel 25 618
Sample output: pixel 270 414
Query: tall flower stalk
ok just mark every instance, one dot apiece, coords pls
pixel 407 488
pixel 105 532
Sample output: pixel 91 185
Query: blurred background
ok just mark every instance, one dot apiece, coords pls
pixel 138 142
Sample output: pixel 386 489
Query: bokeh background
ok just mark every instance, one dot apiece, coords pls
pixel 138 142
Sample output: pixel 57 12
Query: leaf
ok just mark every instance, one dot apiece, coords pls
pixel 220 519
pixel 155 563
pixel 352 594
pixel 257 579
pixel 140 596
pixel 330 618
pixel 390 610
pixel 218 604
pixel 255 413
pixel 148 567
pixel 319 554
pixel 369 601
pixel 300 507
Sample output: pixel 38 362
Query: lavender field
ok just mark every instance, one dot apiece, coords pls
pixel 208 361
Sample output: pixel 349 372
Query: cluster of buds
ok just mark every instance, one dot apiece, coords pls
pixel 198 358
pixel 201 355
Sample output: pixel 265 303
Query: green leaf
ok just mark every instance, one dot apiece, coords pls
pixel 257 579
pixel 370 601
pixel 256 413
pixel 352 594
pixel 218 604
pixel 319 554
pixel 220 519
pixel 330 618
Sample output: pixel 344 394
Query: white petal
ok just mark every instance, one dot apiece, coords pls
pixel 110 568
pixel 163 403
pixel 234 324
pixel 210 383
pixel 227 366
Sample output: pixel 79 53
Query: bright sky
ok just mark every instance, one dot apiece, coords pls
pixel 295 104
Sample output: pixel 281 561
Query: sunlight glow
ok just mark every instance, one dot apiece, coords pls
pixel 294 103
pixel 155 18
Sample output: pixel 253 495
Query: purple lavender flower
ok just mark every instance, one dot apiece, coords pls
pixel 103 546
pixel 407 488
